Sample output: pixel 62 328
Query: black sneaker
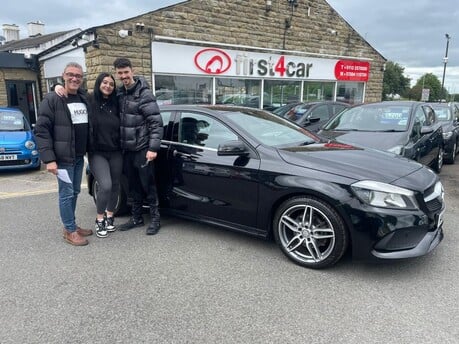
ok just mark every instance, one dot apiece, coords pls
pixel 153 228
pixel 132 223
pixel 109 225
pixel 101 231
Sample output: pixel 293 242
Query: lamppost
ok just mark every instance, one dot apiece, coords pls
pixel 445 61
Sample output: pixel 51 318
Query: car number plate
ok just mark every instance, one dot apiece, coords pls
pixel 440 218
pixel 8 157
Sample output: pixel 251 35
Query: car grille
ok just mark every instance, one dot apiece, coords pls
pixel 15 162
pixel 11 151
pixel 434 198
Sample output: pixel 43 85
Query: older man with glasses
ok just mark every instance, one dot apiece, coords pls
pixel 62 134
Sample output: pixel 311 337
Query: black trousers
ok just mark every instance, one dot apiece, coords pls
pixel 141 180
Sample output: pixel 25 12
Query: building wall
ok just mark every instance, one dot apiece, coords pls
pixel 316 28
pixel 13 74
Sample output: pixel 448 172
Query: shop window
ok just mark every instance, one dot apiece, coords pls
pixel 183 90
pixel 243 92
pixel 318 91
pixel 282 92
pixel 350 92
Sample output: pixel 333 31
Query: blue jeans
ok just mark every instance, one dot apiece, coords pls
pixel 68 193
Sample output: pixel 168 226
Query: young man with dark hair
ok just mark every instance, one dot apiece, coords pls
pixel 141 131
pixel 62 135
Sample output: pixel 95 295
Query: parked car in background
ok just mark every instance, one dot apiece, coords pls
pixel 407 128
pixel 448 115
pixel 17 142
pixel 250 171
pixel 311 115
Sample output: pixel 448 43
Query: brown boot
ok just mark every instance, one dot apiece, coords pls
pixel 84 232
pixel 74 238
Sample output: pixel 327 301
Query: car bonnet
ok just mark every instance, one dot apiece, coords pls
pixel 14 137
pixel 373 139
pixel 351 162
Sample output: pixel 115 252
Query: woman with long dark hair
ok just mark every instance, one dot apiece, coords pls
pixel 104 154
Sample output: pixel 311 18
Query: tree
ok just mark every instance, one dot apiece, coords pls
pixel 394 81
pixel 431 82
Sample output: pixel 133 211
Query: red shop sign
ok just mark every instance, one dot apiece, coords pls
pixel 349 70
pixel 212 61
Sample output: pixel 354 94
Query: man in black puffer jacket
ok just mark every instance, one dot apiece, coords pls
pixel 62 136
pixel 141 133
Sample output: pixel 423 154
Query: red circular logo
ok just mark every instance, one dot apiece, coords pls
pixel 212 61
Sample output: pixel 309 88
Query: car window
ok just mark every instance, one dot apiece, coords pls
pixel 443 113
pixel 421 116
pixel 430 115
pixel 320 112
pixel 415 133
pixel 271 130
pixel 203 130
pixel 372 118
pixel 456 113
pixel 12 121
pixel 335 108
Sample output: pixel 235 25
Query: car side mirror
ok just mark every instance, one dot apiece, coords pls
pixel 426 130
pixel 234 147
pixel 314 119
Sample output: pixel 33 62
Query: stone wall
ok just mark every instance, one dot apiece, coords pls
pixel 316 28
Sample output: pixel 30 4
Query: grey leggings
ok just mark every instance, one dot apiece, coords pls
pixel 107 168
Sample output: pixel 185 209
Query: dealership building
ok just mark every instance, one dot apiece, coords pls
pixel 261 53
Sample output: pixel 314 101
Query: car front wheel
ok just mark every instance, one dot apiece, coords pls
pixel 439 160
pixel 452 156
pixel 310 232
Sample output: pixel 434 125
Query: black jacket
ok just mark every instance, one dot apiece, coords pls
pixel 141 125
pixel 104 126
pixel 54 129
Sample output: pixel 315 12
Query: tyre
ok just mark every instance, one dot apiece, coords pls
pixel 439 161
pixel 310 232
pixel 121 207
pixel 450 158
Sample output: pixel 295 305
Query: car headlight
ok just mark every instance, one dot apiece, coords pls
pixel 30 144
pixel 396 149
pixel 384 195
pixel 447 135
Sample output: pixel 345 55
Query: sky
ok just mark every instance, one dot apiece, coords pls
pixel 410 33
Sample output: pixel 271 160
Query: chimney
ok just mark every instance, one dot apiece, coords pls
pixel 36 28
pixel 10 32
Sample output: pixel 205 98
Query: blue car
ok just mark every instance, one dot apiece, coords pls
pixel 18 150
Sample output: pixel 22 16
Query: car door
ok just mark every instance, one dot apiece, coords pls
pixel 434 139
pixel 423 142
pixel 418 147
pixel 455 109
pixel 207 185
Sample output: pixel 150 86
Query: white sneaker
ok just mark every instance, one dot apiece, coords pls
pixel 101 230
pixel 109 224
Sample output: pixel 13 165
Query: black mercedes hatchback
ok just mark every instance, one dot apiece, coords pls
pixel 250 171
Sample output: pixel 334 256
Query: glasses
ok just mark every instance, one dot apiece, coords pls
pixel 76 76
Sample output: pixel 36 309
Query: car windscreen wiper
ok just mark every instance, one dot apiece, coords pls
pixel 391 131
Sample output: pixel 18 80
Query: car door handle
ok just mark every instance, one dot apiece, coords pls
pixel 184 156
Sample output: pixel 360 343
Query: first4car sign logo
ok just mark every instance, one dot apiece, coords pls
pixel 216 61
